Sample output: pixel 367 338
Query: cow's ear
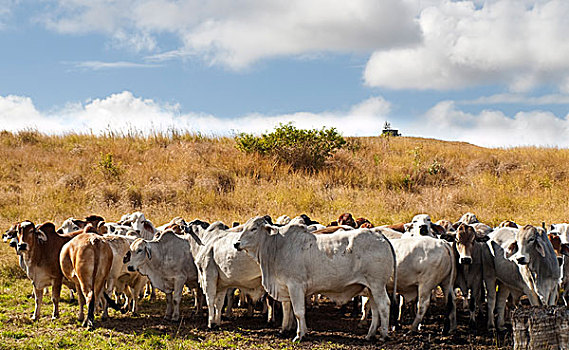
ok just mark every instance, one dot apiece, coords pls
pixel 408 227
pixel 449 237
pixel 482 239
pixel 272 229
pixel 540 247
pixel 42 237
pixel 565 249
pixel 148 253
pixel 551 227
pixel 512 249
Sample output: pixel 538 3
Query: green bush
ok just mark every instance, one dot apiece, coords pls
pixel 302 149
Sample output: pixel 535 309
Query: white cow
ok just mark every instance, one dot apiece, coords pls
pixel 168 263
pixel 423 263
pixel 419 226
pixel 296 263
pixel 138 222
pixel 525 263
pixel 221 267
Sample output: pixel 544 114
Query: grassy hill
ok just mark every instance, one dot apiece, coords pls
pixel 386 180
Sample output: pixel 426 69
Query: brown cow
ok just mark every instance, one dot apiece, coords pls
pixel 38 248
pixel 508 223
pixel 397 227
pixel 346 219
pixel 86 260
pixel 363 223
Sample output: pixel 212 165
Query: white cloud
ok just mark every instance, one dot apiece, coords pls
pixel 6 7
pixel 125 112
pixel 236 33
pixel 492 128
pixel 510 98
pixel 98 65
pixel 521 44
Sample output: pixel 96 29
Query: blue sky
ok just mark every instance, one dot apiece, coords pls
pixel 493 73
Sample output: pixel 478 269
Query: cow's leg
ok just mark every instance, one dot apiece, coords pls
pixel 229 298
pixel 288 320
pixel 218 304
pixel 365 311
pixel 381 300
pixel 210 292
pixel 198 300
pixel 502 297
pixel 450 315
pixel 423 301
pixel 38 298
pixel 55 296
pixel 297 296
pixel 168 315
pixel 491 300
pixel 176 299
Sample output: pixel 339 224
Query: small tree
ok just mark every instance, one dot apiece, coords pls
pixel 301 148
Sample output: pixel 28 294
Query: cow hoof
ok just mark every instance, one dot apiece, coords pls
pixel 54 317
pixel 297 339
pixel 213 326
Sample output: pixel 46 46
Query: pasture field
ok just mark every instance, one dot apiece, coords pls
pixel 387 180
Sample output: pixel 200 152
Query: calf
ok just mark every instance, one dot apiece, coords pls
pixel 86 260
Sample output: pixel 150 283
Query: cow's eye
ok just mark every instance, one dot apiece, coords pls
pixel 139 250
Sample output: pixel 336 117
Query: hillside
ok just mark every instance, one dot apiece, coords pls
pixel 386 180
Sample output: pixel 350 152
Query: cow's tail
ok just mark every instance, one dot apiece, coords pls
pixel 96 242
pixel 394 306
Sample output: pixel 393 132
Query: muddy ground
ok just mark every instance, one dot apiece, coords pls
pixel 329 327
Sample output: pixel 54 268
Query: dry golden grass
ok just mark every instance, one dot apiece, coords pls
pixel 386 180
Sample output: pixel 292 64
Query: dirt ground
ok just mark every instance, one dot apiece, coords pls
pixel 329 327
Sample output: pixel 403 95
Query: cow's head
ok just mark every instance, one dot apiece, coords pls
pixel 559 248
pixel 28 237
pixel 252 233
pixel 10 233
pixel 139 254
pixel 469 218
pixel 465 238
pixel 562 230
pixel 508 223
pixel 360 222
pixel 70 225
pixel 529 242
pixel 420 226
pixel 446 225
pixel 347 219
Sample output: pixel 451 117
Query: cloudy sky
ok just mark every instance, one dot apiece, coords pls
pixel 493 73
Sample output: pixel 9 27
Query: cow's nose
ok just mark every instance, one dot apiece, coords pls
pixel 522 260
pixel 423 230
pixel 237 245
pixel 466 260
pixel 130 268
pixel 13 243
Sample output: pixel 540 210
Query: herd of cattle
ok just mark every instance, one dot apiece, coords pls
pixel 290 259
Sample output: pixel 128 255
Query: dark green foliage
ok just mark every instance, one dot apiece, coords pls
pixel 301 148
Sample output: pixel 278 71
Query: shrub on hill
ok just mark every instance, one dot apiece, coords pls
pixel 301 148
